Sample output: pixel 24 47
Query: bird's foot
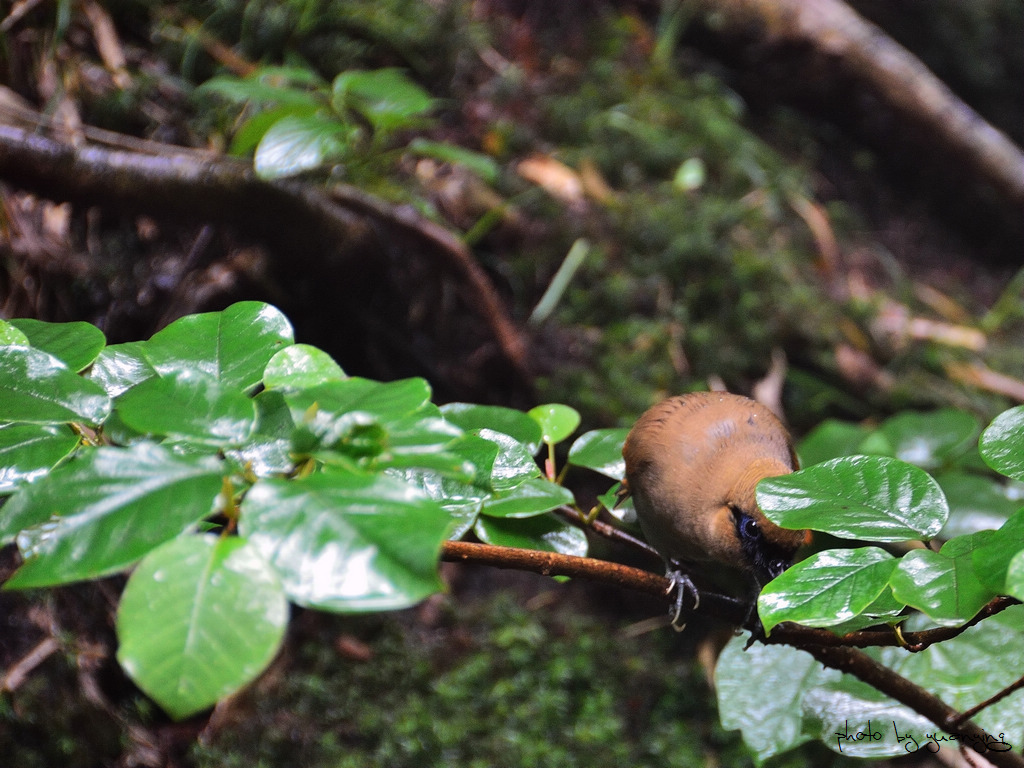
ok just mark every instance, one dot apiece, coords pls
pixel 682 585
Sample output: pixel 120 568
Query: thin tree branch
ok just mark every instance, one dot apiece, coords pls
pixel 844 658
pixel 912 641
pixel 880 677
pixel 1011 688
pixel 898 81
pixel 341 229
pixel 608 531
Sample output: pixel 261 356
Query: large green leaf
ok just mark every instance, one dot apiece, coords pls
pixel 120 367
pixel 298 143
pixel 76 344
pixel 969 668
pixel 516 424
pixel 601 451
pixel 199 618
pixel 976 502
pixel 1015 576
pixel 545 533
pixel 189 405
pixel 929 440
pixel 106 509
pixel 9 335
pixel 831 439
pixel 1002 443
pixel 343 541
pixel 387 400
pixel 780 697
pixel 301 365
pixel 36 387
pixel 385 97
pixel 29 450
pixel 528 499
pixel 828 588
pixel 233 346
pixel 877 498
pixel 761 690
pixel 513 463
pixel 991 560
pixel 943 584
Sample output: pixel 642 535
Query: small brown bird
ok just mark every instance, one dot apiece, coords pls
pixel 692 464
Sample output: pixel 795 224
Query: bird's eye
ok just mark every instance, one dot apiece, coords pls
pixel 748 527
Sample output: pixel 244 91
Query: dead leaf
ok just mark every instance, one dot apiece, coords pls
pixel 556 178
pixel 983 377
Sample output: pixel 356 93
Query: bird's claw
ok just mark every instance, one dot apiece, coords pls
pixel 683 585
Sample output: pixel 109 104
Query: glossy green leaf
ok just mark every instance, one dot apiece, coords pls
pixel 515 424
pixel 9 335
pixel 106 509
pixel 233 346
pixel 828 588
pixel 268 451
pixel 189 405
pixel 28 451
pixel 929 440
pixel 885 609
pixel 120 367
pixel 36 387
pixel 943 584
pixel 857 720
pixel 301 365
pixel 75 344
pixel 199 618
pixel 761 691
pixel 348 542
pixel 556 421
pixel 249 136
pixel 991 560
pixel 1015 577
pixel 513 464
pixel 390 400
pixel 780 697
pixel 528 499
pixel 601 451
pixel 830 440
pixel 969 668
pixel 1002 443
pixel 385 97
pixel 545 533
pixel 877 498
pixel 300 143
pixel 976 502
pixel 460 500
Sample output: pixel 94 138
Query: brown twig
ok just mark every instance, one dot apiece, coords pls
pixel 881 678
pixel 822 645
pixel 1011 688
pixel 912 641
pixel 607 531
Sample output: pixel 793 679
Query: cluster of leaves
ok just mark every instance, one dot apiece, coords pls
pixel 294 121
pixel 237 471
pixel 877 497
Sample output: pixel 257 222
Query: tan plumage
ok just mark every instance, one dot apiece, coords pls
pixel 692 465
